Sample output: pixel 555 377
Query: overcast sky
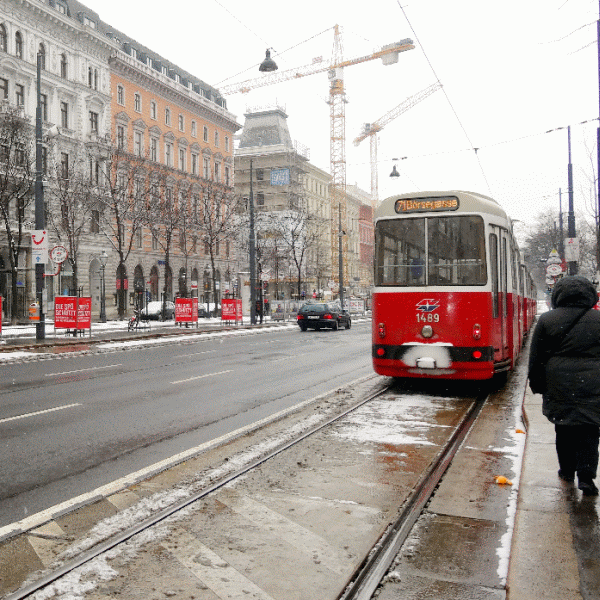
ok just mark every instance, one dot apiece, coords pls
pixel 511 72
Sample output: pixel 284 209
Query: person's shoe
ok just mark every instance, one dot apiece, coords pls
pixel 569 477
pixel 588 488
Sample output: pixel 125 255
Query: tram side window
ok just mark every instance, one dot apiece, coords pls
pixel 456 251
pixel 400 256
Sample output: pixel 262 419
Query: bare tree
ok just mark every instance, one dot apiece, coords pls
pixel 122 204
pixel 218 221
pixel 17 178
pixel 73 197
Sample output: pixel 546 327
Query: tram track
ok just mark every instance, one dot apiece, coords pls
pixel 370 571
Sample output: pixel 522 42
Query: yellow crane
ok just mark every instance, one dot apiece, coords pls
pixel 370 130
pixel 337 106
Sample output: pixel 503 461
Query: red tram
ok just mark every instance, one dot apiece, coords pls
pixel 452 298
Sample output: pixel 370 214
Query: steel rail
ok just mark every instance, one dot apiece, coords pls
pixel 125 535
pixel 373 569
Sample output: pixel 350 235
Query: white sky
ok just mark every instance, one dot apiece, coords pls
pixel 511 71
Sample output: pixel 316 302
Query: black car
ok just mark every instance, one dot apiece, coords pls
pixel 316 316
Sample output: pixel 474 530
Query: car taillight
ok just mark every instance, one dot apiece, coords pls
pixel 300 317
pixel 381 330
pixel 476 331
pixel 327 316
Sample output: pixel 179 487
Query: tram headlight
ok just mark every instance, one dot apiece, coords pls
pixel 427 331
pixel 476 331
pixel 381 330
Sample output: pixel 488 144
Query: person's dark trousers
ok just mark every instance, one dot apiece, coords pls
pixel 577 450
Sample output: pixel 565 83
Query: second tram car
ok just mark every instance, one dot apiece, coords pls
pixel 452 298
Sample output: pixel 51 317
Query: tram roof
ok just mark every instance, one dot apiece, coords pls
pixel 470 202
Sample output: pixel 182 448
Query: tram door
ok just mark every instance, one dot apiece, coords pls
pixel 499 275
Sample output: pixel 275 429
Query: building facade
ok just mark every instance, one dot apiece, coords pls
pixel 123 121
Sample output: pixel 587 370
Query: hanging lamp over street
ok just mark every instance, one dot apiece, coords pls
pixel 268 65
pixel 394 172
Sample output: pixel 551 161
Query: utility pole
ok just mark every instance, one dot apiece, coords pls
pixel 40 326
pixel 252 255
pixel 598 150
pixel 571 216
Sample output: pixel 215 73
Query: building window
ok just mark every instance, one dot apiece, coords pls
pixel 217 171
pixel 169 154
pixel 181 159
pixel 138 145
pixel 121 95
pixel 93 121
pixel 18 45
pixel 95 222
pixel 206 168
pixel 153 110
pixel 64 165
pixel 181 123
pixel 226 143
pixel 120 137
pixel 19 94
pixel 3 39
pixel 64 115
pixel 194 129
pixel 137 103
pixel 4 89
pixel 154 241
pixel 44 105
pixel 260 198
pixel 194 164
pixel 89 22
pixel 260 175
pixel 168 116
pixel 42 55
pixel 205 135
pixel 138 237
pixel 217 139
pixel 227 176
pixel 154 149
pixel 64 70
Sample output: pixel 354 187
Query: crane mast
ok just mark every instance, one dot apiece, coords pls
pixel 370 130
pixel 337 107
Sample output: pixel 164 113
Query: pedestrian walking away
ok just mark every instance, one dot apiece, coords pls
pixel 564 366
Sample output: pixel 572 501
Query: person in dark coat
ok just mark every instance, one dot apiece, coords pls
pixel 564 366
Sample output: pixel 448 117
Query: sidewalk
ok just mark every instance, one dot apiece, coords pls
pixel 544 562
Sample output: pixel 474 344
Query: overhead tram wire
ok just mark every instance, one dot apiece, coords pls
pixel 473 148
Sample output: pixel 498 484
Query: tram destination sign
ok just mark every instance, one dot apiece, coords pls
pixel 413 205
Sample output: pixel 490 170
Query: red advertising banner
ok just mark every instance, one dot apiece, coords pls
pixel 231 310
pixel 186 310
pixel 71 312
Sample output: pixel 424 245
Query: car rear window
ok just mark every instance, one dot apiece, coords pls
pixel 314 308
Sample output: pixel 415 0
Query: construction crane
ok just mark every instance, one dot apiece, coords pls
pixel 337 105
pixel 370 130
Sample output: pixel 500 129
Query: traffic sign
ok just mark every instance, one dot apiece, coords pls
pixel 58 254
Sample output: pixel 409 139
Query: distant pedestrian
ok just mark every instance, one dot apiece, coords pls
pixel 564 366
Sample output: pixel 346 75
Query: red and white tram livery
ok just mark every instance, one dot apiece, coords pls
pixel 452 299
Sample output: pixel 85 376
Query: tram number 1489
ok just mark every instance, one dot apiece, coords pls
pixel 428 318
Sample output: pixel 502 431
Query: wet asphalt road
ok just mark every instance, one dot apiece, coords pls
pixel 73 424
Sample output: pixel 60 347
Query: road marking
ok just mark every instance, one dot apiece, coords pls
pixel 201 376
pixel 224 580
pixel 195 353
pixel 82 370
pixel 39 412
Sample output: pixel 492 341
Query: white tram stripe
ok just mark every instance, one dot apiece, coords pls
pixel 39 412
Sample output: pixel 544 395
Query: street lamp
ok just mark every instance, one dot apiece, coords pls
pixel 103 258
pixel 252 243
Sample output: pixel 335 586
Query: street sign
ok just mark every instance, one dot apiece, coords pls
pixel 571 249
pixel 554 270
pixel 39 246
pixel 58 254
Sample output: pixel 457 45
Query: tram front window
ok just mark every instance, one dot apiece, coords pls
pixel 447 251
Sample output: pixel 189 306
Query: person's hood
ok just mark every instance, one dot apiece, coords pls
pixel 574 291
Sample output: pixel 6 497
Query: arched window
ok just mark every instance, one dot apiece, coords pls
pixel 3 39
pixel 18 45
pixel 64 72
pixel 42 53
